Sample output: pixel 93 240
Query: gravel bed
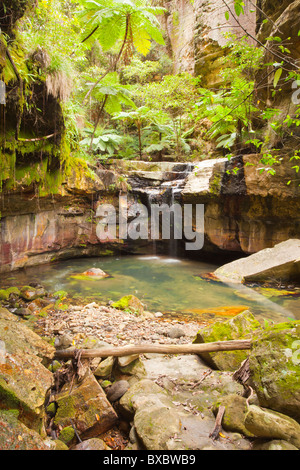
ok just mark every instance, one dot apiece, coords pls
pixel 117 327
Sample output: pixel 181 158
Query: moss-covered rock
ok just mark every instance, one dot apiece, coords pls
pixel 67 435
pixel 86 404
pixel 32 293
pixel 275 368
pixel 24 380
pixel 5 293
pixel 235 413
pixel 239 327
pixel 14 435
pixel 131 303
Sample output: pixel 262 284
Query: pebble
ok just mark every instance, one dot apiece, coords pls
pixel 117 327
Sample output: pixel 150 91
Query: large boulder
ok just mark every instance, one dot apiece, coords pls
pixel 281 262
pixel 270 424
pixel 275 368
pixel 24 379
pixel 239 327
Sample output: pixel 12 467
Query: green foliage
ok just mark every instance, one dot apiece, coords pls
pixel 105 142
pixel 132 21
pixel 141 71
pixel 116 94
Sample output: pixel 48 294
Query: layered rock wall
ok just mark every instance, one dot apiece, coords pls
pixel 196 32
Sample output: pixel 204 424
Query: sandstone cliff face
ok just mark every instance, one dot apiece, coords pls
pixel 196 32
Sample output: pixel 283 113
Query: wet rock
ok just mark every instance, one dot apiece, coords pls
pixel 95 272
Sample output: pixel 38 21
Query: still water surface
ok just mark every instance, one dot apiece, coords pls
pixel 164 284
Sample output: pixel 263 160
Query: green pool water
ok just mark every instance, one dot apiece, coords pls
pixel 164 284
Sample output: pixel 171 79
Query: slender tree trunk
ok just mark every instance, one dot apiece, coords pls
pixel 97 122
pixel 114 65
pixel 140 138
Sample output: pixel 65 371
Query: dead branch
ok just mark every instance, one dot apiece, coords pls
pixel 218 424
pixel 37 138
pixel 158 349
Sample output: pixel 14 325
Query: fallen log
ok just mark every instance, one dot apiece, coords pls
pixel 158 349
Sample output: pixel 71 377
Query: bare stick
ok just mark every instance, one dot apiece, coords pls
pixel 37 138
pixel 218 424
pixel 160 349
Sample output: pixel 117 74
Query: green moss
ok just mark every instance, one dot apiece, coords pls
pixel 123 303
pixel 67 435
pixel 60 294
pixel 66 409
pixel 4 295
pixel 51 409
pixel 215 185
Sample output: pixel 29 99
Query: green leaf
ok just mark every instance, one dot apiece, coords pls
pixel 227 15
pixel 277 76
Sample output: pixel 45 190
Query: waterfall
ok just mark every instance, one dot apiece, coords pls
pixel 162 187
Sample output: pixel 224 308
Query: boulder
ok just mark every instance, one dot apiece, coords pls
pixel 32 293
pixel 273 425
pixel 141 393
pixel 274 366
pixel 95 272
pixel 235 413
pixel 239 327
pixel 131 303
pixel 281 262
pixel 155 425
pixel 24 380
pixel 86 404
pixel 275 444
pixel 14 435
pixel 105 368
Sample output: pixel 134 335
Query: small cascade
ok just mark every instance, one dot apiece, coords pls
pixel 161 188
